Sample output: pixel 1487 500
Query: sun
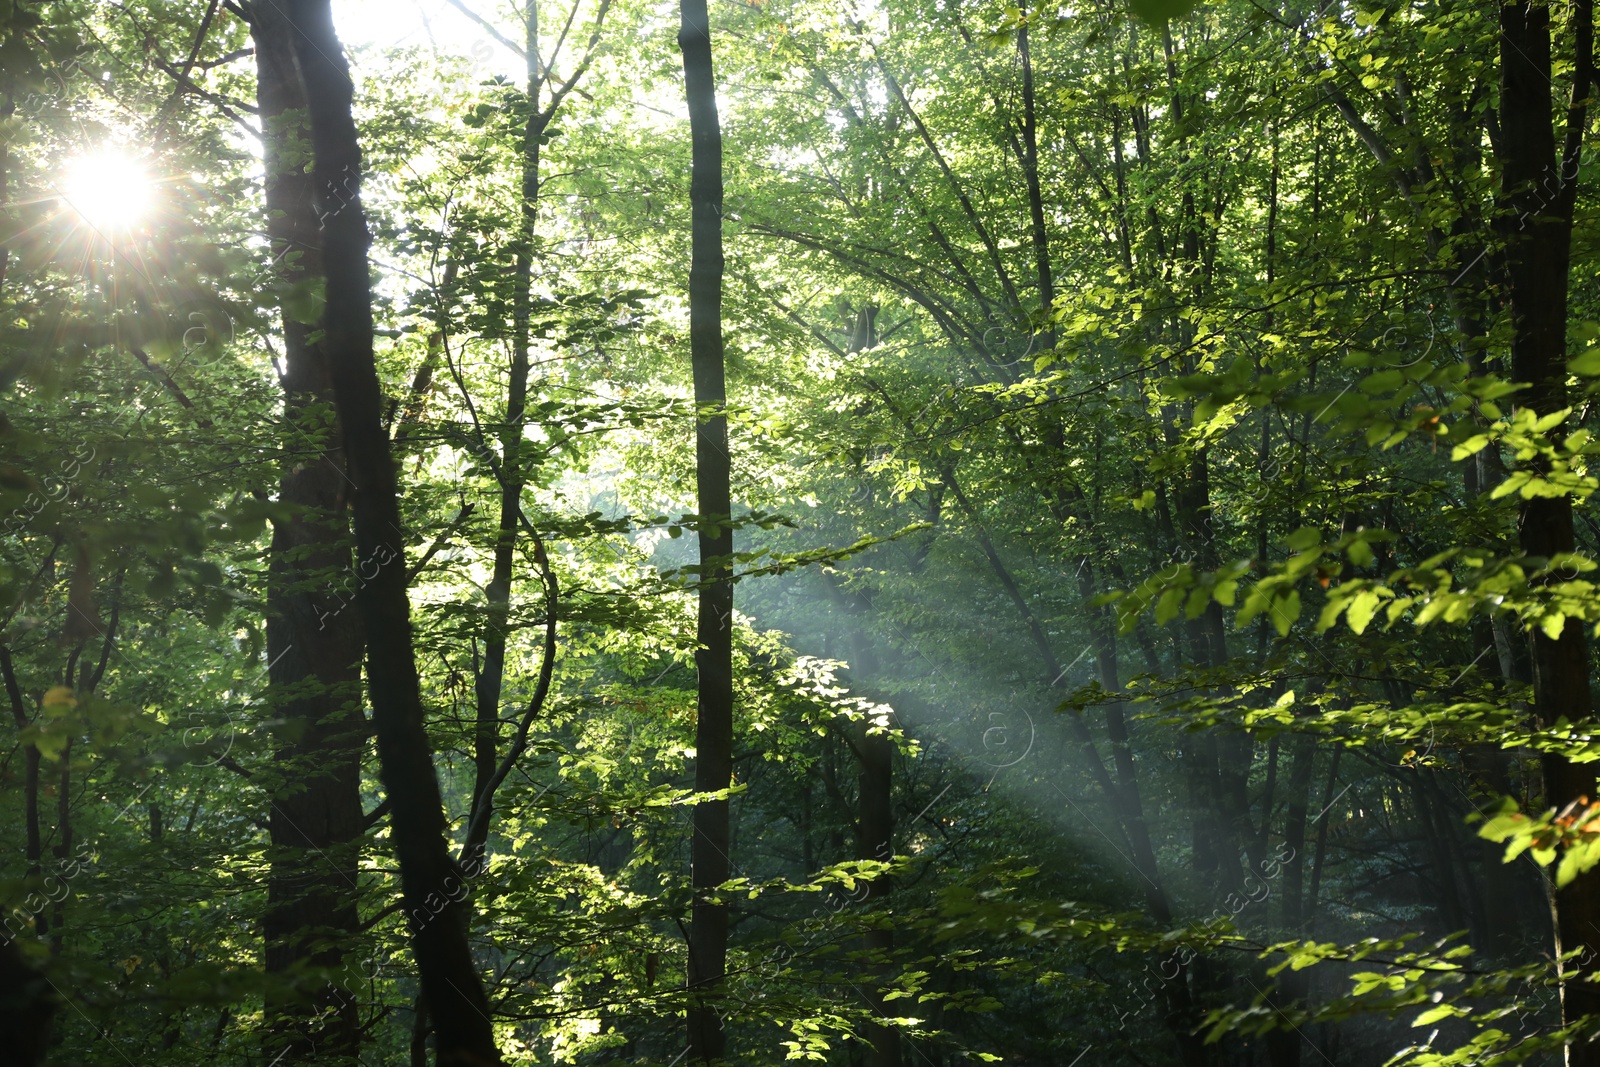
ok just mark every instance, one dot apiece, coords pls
pixel 109 189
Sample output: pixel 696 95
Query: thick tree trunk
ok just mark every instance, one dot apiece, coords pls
pixel 708 852
pixel 27 1007
pixel 313 644
pixel 431 883
pixel 1538 191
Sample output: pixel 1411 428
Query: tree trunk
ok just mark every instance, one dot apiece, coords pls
pixel 875 841
pixel 875 810
pixel 431 883
pixel 491 679
pixel 27 1006
pixel 313 644
pixel 1538 191
pixel 1502 885
pixel 31 784
pixel 1030 170
pixel 708 853
pixel 1283 1046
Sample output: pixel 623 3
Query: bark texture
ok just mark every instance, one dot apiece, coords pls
pixel 1538 191
pixel 313 644
pixel 708 852
pixel 432 885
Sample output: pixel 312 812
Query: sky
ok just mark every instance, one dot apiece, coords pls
pixel 429 23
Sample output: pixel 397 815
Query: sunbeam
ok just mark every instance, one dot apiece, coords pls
pixel 110 190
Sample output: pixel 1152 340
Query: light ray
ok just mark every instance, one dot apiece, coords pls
pixel 110 190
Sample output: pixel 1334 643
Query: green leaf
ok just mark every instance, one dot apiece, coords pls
pixel 1586 364
pixel 1383 381
pixel 1551 421
pixel 1432 1015
pixel 1304 538
pixel 1363 606
pixel 1167 607
pixel 1158 12
pixel 1285 610
pixel 1578 859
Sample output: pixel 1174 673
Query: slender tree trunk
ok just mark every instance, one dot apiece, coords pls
pixel 1314 893
pixel 8 108
pixel 420 1029
pixel 708 852
pixel 1129 802
pixel 63 849
pixel 33 847
pixel 1030 169
pixel 313 644
pixel 431 883
pixel 1504 888
pixel 1283 1046
pixel 64 833
pixel 1435 828
pixel 27 1005
pixel 875 841
pixel 874 782
pixel 1538 192
pixel 491 679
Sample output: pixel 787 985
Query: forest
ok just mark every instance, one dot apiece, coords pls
pixel 887 533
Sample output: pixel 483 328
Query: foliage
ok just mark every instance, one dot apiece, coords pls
pixel 1153 494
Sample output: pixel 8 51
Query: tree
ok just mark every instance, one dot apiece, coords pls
pixel 313 645
pixel 431 883
pixel 1538 193
pixel 713 765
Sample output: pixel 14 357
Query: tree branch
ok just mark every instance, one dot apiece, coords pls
pixel 488 27
pixel 483 804
pixel 19 707
pixel 439 542
pixel 565 87
pixel 160 374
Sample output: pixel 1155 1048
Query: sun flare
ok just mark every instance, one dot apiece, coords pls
pixel 110 190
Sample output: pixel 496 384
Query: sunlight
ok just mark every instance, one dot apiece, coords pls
pixel 109 189
pixel 425 24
